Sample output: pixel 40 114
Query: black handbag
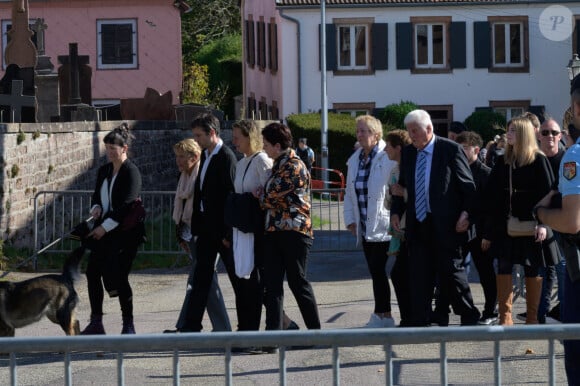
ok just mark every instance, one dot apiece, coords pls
pixel 135 216
pixel 243 211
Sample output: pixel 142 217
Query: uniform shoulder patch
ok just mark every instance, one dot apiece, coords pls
pixel 569 170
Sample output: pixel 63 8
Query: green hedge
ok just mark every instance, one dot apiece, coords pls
pixel 341 136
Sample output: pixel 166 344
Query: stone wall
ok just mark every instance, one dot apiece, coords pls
pixel 66 156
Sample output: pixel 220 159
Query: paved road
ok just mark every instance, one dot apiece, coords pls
pixel 343 292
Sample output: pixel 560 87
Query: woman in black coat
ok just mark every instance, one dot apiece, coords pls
pixel 531 179
pixel 114 239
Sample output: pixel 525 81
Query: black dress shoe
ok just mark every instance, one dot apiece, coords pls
pixel 442 320
pixel 171 331
pixel 247 350
pixel 292 326
pixel 270 350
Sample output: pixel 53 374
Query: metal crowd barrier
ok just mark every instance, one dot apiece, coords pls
pixel 57 212
pixel 321 338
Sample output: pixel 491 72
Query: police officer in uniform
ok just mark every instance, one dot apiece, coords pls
pixel 563 214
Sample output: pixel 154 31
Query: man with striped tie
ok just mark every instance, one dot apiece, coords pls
pixel 440 189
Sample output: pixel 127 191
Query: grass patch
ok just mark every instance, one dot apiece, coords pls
pixel 317 222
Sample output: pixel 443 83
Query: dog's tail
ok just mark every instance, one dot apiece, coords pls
pixel 70 271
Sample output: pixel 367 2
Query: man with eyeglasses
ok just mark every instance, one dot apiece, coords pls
pixel 550 137
pixel 564 217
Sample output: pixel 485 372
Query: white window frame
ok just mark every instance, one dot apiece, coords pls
pixel 352 46
pixel 507 46
pixel 134 64
pixel 507 112
pixel 430 63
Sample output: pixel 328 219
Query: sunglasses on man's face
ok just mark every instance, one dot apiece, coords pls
pixel 554 133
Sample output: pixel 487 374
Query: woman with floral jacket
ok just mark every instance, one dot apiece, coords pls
pixel 288 236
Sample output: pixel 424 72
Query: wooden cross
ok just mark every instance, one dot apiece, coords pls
pixel 17 101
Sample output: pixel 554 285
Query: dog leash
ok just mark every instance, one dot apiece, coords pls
pixel 46 247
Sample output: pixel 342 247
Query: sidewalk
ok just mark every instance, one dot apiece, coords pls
pixel 344 296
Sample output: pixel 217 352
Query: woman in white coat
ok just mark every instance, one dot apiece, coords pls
pixel 365 211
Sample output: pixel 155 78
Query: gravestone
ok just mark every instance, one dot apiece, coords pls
pixel 16 101
pixel 20 49
pixel 152 107
pixel 46 81
pixel 75 87
pixel 20 55
pixel 26 76
pixel 75 76
pixel 44 65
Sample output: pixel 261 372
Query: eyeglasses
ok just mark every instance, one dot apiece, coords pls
pixel 554 133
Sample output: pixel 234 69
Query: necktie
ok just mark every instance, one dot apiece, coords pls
pixel 420 194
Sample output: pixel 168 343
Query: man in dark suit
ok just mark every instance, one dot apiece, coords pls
pixel 440 191
pixel 214 182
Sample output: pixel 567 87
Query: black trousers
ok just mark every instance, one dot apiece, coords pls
pixel 484 264
pixel 432 261
pixel 110 262
pixel 207 248
pixel 286 253
pixel 401 284
pixel 376 256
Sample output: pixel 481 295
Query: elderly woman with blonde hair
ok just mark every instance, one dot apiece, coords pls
pixel 187 156
pixel 366 213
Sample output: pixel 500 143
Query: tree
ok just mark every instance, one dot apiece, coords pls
pixel 394 114
pixel 223 57
pixel 208 21
pixel 486 123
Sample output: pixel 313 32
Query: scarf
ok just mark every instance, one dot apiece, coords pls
pixel 182 212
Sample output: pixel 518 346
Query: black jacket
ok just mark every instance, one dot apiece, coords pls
pixel 126 189
pixel 217 185
pixel 480 174
pixel 451 190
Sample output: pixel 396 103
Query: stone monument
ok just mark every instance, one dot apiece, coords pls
pixel 21 58
pixel 75 87
pixel 20 49
pixel 46 81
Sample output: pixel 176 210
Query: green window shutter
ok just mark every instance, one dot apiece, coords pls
pixel 380 57
pixel 482 44
pixel 458 43
pixel 577 48
pixel 404 45
pixel 331 59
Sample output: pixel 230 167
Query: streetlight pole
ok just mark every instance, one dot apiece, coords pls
pixel 324 102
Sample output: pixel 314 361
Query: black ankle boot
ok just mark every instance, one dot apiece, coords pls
pixel 128 327
pixel 95 327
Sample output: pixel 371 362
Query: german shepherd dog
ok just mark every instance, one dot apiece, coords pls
pixel 54 296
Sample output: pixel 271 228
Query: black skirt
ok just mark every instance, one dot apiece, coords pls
pixel 526 251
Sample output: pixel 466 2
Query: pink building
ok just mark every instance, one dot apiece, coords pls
pixel 131 44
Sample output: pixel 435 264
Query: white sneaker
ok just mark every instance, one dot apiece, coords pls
pixel 374 322
pixel 388 322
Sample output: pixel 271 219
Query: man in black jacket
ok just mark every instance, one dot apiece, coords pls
pixel 471 143
pixel 440 191
pixel 214 182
